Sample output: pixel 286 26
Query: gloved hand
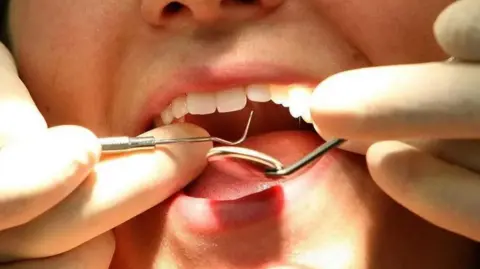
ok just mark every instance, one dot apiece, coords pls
pixel 58 200
pixel 428 119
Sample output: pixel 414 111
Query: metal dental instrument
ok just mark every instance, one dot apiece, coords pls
pixel 274 167
pixel 245 154
pixel 126 144
pixel 308 159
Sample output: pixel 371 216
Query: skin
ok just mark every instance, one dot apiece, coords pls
pixel 125 57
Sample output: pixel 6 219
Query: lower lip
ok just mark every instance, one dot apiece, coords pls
pixel 206 216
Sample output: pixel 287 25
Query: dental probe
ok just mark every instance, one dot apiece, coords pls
pixel 127 144
pixel 245 154
pixel 308 159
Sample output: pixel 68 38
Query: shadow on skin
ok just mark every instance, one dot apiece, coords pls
pixel 401 239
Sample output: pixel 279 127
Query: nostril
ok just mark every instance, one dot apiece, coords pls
pixel 159 13
pixel 173 8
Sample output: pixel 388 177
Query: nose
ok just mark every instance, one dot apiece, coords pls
pixel 164 12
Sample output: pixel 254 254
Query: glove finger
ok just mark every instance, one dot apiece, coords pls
pixel 120 188
pixel 19 117
pixel 444 194
pixel 462 153
pixel 424 101
pixel 457 30
pixel 37 174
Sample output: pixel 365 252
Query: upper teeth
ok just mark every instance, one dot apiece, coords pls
pixel 203 103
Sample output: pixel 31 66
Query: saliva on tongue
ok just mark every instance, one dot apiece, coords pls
pixel 273 131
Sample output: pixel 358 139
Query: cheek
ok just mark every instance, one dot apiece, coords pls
pixel 388 31
pixel 67 57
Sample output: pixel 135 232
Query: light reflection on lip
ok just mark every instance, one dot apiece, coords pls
pixel 203 79
pixel 208 217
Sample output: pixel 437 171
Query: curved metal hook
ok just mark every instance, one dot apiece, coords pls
pixel 125 143
pixel 245 154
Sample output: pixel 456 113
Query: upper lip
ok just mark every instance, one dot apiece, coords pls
pixel 207 79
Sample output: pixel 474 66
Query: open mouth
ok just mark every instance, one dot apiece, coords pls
pixel 294 97
pixel 232 193
pixel 281 128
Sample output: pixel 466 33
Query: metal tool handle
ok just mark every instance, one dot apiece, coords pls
pixel 125 143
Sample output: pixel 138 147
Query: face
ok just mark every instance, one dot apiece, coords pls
pixel 115 66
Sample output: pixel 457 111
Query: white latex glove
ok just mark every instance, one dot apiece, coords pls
pixel 428 119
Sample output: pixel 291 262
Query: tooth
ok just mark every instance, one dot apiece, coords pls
pixel 295 112
pixel 299 100
pixel 307 117
pixel 279 94
pixel 179 107
pixel 201 103
pixel 231 100
pixel 167 116
pixel 181 120
pixel 258 93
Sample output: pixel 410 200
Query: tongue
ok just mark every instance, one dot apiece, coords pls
pixel 230 179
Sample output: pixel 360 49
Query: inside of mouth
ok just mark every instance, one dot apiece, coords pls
pixel 267 117
pixel 274 130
